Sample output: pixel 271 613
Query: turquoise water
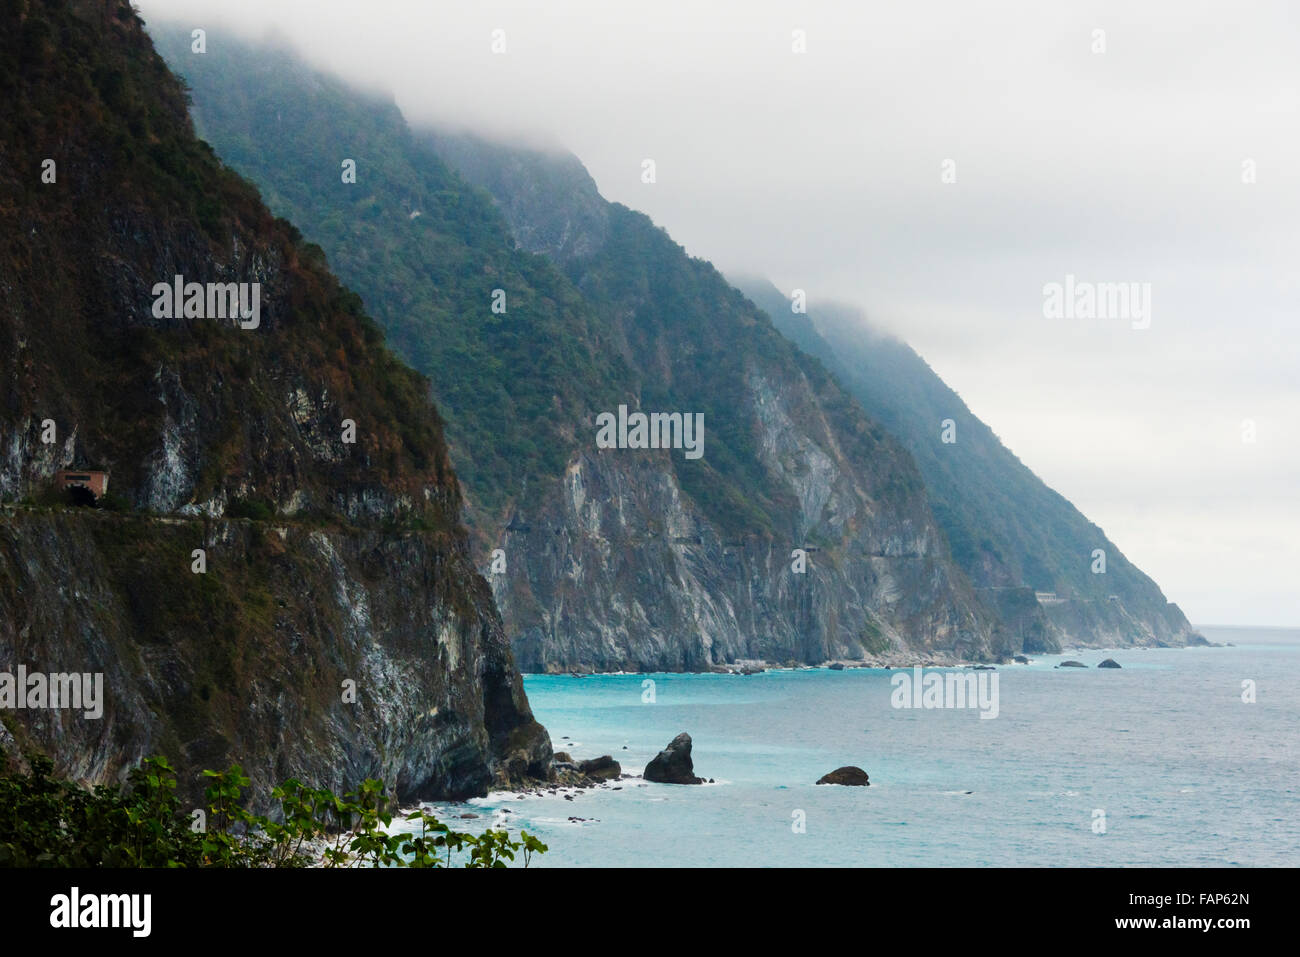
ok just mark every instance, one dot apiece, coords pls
pixel 1184 771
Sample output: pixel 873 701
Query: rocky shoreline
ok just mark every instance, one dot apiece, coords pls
pixel 886 661
pixel 758 666
pixel 569 777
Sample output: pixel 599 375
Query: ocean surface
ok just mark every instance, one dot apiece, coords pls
pixel 1164 753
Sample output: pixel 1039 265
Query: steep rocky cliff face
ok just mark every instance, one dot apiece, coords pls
pixel 1011 533
pixel 356 568
pixel 609 558
pixel 618 569
pixel 248 662
pixel 807 536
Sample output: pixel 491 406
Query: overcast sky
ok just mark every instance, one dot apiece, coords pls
pixel 824 171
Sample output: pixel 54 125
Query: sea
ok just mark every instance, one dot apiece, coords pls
pixel 1181 757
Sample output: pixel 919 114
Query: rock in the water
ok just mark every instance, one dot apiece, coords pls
pixel 1071 664
pixel 848 775
pixel 836 666
pixel 673 764
pixel 1021 660
pixel 1109 663
pixel 603 768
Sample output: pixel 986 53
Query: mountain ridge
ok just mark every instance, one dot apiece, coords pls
pixel 1008 528
pixel 619 560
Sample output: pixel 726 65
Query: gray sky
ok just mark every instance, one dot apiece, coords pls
pixel 822 170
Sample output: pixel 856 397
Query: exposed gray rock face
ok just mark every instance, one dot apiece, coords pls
pixel 171 478
pixel 1110 624
pixel 619 568
pixel 526 184
pixel 1024 621
pixel 27 459
pixel 619 571
pixel 1011 534
pixel 673 765
pixel 438 709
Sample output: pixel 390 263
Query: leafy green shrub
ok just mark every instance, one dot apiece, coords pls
pixel 49 822
pixel 45 495
pixel 113 502
pixel 256 509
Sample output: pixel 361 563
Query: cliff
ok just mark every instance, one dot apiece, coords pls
pixel 1009 531
pixel 613 558
pixel 356 568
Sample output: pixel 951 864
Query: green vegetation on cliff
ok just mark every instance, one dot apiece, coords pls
pixel 426 251
pixel 631 319
pixel 136 199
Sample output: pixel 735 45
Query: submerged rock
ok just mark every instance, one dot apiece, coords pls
pixel 673 765
pixel 848 775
